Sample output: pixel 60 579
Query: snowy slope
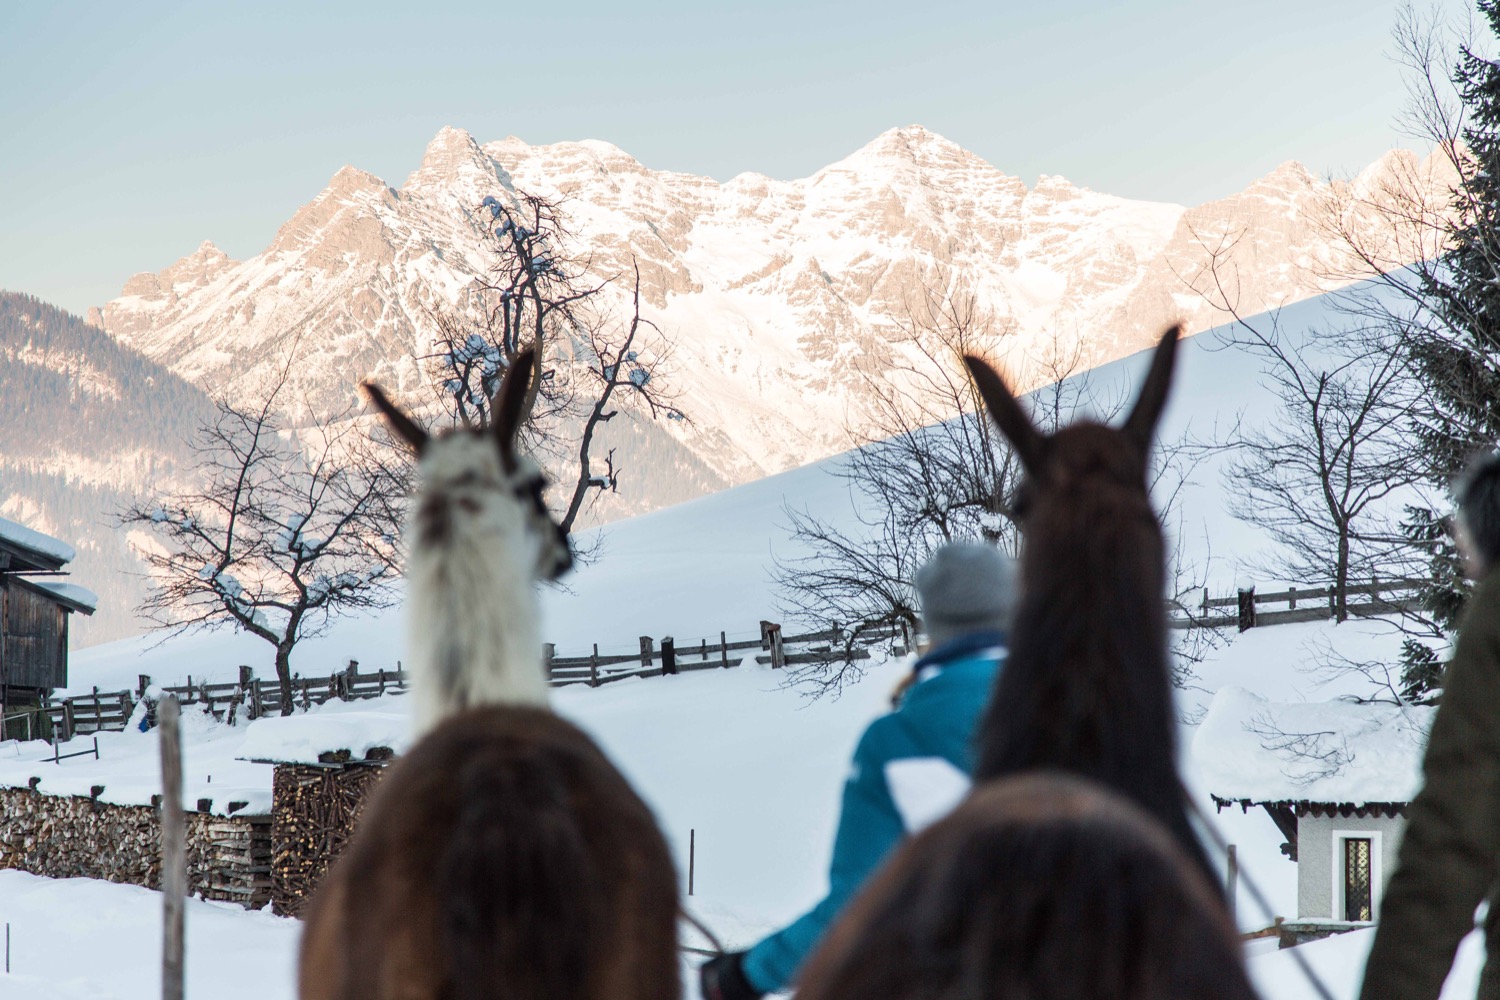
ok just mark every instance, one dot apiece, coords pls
pixel 750 767
pixel 703 566
pixel 746 764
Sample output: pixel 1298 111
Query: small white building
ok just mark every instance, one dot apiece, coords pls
pixel 1335 777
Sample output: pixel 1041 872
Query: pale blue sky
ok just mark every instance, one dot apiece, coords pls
pixel 132 131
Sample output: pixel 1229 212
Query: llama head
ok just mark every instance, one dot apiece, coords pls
pixel 479 476
pixel 1086 455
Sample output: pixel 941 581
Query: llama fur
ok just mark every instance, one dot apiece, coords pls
pixel 474 549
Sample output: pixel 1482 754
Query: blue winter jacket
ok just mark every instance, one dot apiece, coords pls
pixel 935 722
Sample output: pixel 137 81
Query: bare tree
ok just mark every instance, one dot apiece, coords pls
pixel 1318 477
pixel 285 533
pixel 930 469
pixel 588 362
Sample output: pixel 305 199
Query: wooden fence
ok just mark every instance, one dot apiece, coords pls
pixel 251 697
pixel 1302 604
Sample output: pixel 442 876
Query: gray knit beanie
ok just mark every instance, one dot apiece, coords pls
pixel 966 587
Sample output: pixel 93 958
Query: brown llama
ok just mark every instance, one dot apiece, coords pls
pixel 1083 897
pixel 1087 686
pixel 504 856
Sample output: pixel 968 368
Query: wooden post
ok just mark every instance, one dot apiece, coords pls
pixel 1247 608
pixel 723 651
pixel 765 634
pixel 173 851
pixel 67 707
pixel 669 655
pixel 594 667
pixel 1233 881
pixel 143 681
pixel 648 651
pixel 549 653
pixel 778 652
pixel 4 663
pixel 692 851
pixel 1292 598
pixel 703 650
pixel 249 691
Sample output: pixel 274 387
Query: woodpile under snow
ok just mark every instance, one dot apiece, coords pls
pixel 70 836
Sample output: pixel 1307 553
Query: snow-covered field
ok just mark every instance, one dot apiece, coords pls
pixel 750 766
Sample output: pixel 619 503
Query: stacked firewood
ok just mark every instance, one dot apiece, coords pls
pixel 69 836
pixel 315 808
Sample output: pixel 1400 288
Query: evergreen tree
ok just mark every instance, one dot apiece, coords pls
pixel 1457 355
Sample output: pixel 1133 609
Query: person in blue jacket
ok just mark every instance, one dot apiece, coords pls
pixel 911 766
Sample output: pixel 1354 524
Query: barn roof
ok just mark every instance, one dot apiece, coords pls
pixel 25 550
pixel 1331 754
pixel 69 595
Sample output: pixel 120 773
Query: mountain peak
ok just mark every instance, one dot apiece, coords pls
pixel 451 152
pixel 912 142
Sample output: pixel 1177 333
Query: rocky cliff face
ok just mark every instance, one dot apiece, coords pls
pixel 780 295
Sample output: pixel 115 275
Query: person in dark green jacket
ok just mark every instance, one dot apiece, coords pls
pixel 1450 853
pixel 911 766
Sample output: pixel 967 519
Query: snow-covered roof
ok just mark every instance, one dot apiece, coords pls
pixel 51 552
pixel 1249 749
pixel 335 726
pixel 71 594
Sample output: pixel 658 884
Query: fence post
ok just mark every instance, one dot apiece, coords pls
pixel 251 692
pixel 648 651
pixel 1291 598
pixel 67 707
pixel 1333 604
pixel 723 651
pixel 669 655
pixel 1247 607
pixel 594 667
pixel 778 652
pixel 174 884
pixel 142 683
pixel 1233 880
pixel 351 677
pixel 549 653
pixel 765 633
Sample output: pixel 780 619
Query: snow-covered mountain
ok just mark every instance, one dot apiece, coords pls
pixel 87 425
pixel 779 294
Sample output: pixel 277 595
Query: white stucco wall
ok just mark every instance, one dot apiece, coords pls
pixel 1317 864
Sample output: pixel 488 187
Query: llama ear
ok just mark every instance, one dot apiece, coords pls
pixel 1029 443
pixel 1140 426
pixel 505 408
pixel 403 426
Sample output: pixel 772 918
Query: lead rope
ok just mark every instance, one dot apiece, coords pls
pixel 702 928
pixel 1316 981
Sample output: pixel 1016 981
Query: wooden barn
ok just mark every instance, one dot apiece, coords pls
pixel 34 608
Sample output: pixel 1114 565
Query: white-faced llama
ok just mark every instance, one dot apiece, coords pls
pixel 504 855
pixel 1087 686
